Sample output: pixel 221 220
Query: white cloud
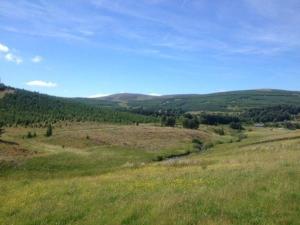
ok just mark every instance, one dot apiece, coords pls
pixel 8 55
pixel 37 59
pixel 98 95
pixel 3 48
pixel 40 83
pixel 154 94
pixel 13 58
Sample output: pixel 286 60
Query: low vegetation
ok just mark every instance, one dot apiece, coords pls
pixel 76 161
pixel 135 175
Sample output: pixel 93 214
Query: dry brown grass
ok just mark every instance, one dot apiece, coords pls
pixel 10 151
pixel 145 137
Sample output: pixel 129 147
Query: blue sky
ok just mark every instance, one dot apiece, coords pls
pixel 97 47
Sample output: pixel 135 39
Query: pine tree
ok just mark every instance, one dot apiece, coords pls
pixel 49 131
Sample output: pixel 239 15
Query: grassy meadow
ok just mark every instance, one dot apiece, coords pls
pixel 109 174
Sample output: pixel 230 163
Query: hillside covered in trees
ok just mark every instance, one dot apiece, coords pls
pixel 234 101
pixel 20 107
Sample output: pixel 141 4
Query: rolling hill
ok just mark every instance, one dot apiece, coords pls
pixel 127 97
pixel 24 107
pixel 224 102
pixel 20 107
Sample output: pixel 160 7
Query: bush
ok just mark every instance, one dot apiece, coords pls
pixel 49 131
pixel 241 137
pixel 219 131
pixel 198 144
pixel 191 123
pixel 236 126
pixel 168 121
pixel 29 135
pixel 208 146
pixel 291 126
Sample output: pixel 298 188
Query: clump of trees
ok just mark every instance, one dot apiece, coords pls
pixel 278 113
pixel 190 121
pixel 291 126
pixel 168 121
pixel 236 126
pixel 215 119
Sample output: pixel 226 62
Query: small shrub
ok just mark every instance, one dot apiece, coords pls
pixel 198 144
pixel 208 146
pixel 219 142
pixel 241 137
pixel 159 158
pixel 236 126
pixel 29 135
pixel 219 131
pixel 291 126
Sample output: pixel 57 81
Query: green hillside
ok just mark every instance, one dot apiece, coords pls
pixel 24 108
pixel 224 102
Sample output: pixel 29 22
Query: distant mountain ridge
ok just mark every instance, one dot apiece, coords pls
pixel 231 101
pixel 126 97
pixel 221 101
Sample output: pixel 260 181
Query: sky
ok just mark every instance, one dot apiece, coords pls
pixel 90 48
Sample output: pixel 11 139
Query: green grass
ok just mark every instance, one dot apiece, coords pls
pixel 255 181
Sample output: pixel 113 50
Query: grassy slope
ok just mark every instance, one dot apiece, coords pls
pixel 255 181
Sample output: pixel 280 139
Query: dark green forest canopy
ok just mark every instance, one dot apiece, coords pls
pixel 24 108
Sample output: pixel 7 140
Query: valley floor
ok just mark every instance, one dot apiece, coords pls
pixel 109 174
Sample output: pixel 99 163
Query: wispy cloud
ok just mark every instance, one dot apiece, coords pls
pixel 37 59
pixel 13 58
pixel 40 83
pixel 3 48
pixel 164 28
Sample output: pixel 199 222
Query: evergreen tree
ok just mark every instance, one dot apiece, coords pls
pixel 49 131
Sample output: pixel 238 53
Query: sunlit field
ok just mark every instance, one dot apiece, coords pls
pixel 109 174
